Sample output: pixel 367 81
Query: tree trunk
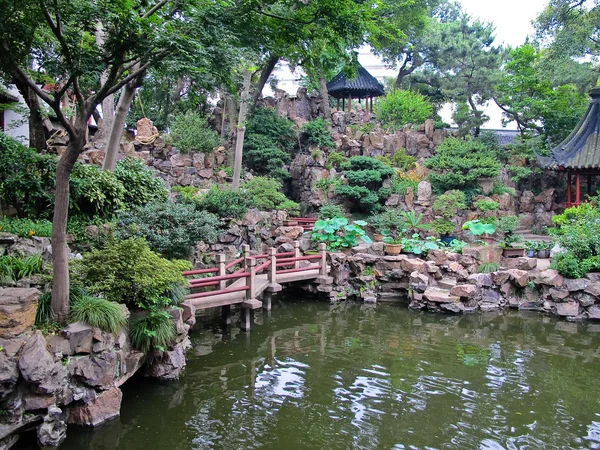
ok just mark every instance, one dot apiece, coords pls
pixel 60 256
pixel 116 132
pixel 40 127
pixel 324 97
pixel 264 76
pixel 241 132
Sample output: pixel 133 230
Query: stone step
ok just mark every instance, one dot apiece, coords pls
pixel 447 283
pixel 438 295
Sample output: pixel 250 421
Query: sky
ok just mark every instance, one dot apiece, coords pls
pixel 512 20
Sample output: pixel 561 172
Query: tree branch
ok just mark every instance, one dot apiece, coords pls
pixel 128 78
pixel 154 9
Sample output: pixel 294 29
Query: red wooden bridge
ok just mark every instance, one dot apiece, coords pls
pixel 245 280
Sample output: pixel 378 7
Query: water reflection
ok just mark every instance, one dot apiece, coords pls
pixel 345 376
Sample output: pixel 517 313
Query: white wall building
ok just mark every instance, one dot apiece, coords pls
pixel 14 121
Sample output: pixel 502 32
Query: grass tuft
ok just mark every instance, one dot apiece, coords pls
pixel 155 330
pixel 100 313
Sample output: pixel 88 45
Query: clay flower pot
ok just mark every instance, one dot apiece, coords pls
pixel 393 249
pixel 378 237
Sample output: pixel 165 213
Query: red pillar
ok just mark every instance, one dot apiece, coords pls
pixel 578 189
pixel 569 189
pixel 349 103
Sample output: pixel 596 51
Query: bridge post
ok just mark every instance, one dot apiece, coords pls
pixel 246 313
pixel 297 254
pixel 273 267
pixel 221 264
pixel 273 285
pixel 323 253
pixel 246 255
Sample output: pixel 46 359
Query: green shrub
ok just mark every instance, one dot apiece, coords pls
pixel 317 133
pixel 26 179
pixel 171 229
pixel 190 133
pixel 279 130
pixel 489 267
pixel 155 330
pixel 365 177
pixel 263 156
pixel 141 183
pixel 330 210
pixel 458 164
pixel 449 204
pixel 389 220
pixel 129 272
pixel 187 192
pixel 224 202
pixel 13 268
pixel 403 161
pixel 264 193
pixel 291 207
pixel 43 314
pixel 324 184
pixel 99 313
pixel 399 108
pixel 335 159
pixel 487 205
pixel 95 192
pixel 26 227
pixel 401 185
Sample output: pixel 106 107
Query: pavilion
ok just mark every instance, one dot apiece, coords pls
pixel 579 154
pixel 364 85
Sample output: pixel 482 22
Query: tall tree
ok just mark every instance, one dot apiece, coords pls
pixel 61 37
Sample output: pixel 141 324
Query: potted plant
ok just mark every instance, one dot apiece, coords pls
pixel 483 231
pixel 381 234
pixel 543 249
pixel 386 223
pixel 392 246
pixel 447 206
pixel 531 248
pixel 508 225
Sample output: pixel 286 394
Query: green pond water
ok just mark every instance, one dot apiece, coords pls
pixel 317 376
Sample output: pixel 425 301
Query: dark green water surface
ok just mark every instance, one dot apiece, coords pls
pixel 315 376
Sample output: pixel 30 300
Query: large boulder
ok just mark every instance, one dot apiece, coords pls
pixel 38 368
pixel 105 407
pixel 97 371
pixel 17 310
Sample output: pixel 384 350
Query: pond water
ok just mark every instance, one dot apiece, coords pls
pixel 318 376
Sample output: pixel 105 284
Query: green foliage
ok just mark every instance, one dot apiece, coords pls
pixel 268 143
pixel 413 221
pixel 390 220
pixel 500 189
pixel 318 134
pixel 443 226
pixel 13 268
pixel 477 227
pixel 335 159
pixel 291 207
pixel 403 161
pixel 26 227
pixel 324 184
pixel 400 107
pixel 141 183
pixel 365 176
pixel 338 233
pixel 129 272
pixel 508 224
pixel 190 133
pixel 155 330
pixel 264 193
pixel 43 313
pixel 518 173
pixel 488 267
pixel 171 229
pixel 448 204
pixel 95 192
pixel 26 178
pixel 418 246
pixel 458 164
pixel 330 210
pixel 224 202
pixel 456 246
pixel 401 185
pixel 187 192
pixel 99 313
pixel 487 205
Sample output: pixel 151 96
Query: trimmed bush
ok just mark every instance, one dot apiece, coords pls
pixel 317 133
pixel 129 272
pixel 153 331
pixel 141 183
pixel 225 203
pixel 399 108
pixel 264 193
pixel 190 133
pixel 329 211
pixel 291 207
pixel 171 229
pixel 99 313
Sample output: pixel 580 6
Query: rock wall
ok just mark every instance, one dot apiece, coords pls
pixel 72 377
pixel 449 282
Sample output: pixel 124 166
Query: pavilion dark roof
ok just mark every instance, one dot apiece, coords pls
pixel 364 85
pixel 581 149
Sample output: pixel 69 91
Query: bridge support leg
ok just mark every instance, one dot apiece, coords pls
pixel 226 314
pixel 266 301
pixel 245 319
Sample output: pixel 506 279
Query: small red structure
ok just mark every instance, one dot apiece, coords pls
pixel 579 154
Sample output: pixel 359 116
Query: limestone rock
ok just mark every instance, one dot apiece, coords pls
pixel 593 288
pixel 519 277
pixel 578 284
pixel 569 309
pixel 38 368
pixel 464 290
pixel 95 370
pixel 17 310
pixel 549 277
pixel 424 193
pixel 558 294
pixel 80 336
pixel 107 406
pixel 167 365
pixel 593 312
pixel 439 296
pixel 9 374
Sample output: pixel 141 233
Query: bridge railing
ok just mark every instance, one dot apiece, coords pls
pixel 274 263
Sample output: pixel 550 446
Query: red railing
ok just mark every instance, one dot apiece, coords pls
pixel 250 269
